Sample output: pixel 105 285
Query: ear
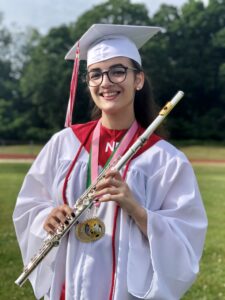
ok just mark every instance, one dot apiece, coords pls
pixel 139 81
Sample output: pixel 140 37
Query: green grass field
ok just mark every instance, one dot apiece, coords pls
pixel 11 176
pixel 21 149
pixel 193 152
pixel 210 284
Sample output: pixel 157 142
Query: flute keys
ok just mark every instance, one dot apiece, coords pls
pixel 86 202
pixel 79 209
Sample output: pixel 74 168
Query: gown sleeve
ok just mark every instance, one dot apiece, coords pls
pixel 165 264
pixel 34 203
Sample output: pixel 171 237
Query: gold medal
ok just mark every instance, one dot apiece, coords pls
pixel 90 230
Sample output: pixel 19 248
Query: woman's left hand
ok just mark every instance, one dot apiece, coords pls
pixel 114 188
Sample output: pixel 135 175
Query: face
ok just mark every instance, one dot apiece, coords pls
pixel 116 98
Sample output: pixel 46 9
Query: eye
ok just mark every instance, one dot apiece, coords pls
pixel 117 71
pixel 94 75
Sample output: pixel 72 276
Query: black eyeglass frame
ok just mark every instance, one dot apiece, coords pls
pixel 108 76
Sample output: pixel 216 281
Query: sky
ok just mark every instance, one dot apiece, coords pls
pixel 44 14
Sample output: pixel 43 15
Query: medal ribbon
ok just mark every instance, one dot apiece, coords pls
pixel 119 151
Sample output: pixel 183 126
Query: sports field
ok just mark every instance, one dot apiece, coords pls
pixel 210 284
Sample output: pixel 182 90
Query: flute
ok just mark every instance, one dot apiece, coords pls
pixel 86 200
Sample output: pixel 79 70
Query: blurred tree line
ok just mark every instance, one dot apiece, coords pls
pixel 188 56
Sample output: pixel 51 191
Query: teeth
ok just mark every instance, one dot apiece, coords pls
pixel 109 94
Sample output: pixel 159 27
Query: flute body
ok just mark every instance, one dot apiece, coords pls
pixel 87 200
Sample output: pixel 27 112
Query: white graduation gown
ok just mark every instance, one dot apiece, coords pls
pixel 162 266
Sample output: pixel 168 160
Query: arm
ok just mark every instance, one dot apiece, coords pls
pixel 34 203
pixel 176 228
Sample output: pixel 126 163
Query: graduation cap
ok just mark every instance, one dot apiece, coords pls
pixel 104 41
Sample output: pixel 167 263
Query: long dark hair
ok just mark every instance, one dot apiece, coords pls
pixel 144 105
pixel 145 108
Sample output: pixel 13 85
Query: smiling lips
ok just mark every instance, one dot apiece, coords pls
pixel 109 95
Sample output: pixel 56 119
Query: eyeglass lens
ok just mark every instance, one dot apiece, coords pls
pixel 115 75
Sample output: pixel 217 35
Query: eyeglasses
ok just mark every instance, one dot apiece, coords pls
pixel 115 74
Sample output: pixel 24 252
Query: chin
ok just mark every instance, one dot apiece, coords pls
pixel 109 108
pixel 111 111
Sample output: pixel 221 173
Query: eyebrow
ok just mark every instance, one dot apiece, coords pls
pixel 113 66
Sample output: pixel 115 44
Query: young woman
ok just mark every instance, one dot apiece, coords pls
pixel 144 237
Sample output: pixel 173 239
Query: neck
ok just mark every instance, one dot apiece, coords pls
pixel 117 122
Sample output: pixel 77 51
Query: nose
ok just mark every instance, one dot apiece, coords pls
pixel 105 79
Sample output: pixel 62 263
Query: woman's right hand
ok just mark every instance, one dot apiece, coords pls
pixel 57 217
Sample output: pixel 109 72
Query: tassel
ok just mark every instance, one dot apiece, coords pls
pixel 73 88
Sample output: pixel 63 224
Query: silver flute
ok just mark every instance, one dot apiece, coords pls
pixel 86 200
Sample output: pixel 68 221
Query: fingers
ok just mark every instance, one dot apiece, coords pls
pixel 108 186
pixel 111 197
pixel 111 187
pixel 108 182
pixel 57 217
pixel 112 178
pixel 113 173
